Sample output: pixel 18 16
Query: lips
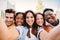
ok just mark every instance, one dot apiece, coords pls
pixel 19 23
pixel 9 22
pixel 30 21
pixel 51 20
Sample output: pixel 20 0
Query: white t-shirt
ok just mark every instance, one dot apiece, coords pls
pixel 23 33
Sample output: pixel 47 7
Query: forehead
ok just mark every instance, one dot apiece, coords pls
pixel 29 14
pixel 9 14
pixel 19 16
pixel 49 12
pixel 39 16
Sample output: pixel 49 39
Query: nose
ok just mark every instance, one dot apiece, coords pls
pixel 30 18
pixel 54 15
pixel 8 19
pixel 19 20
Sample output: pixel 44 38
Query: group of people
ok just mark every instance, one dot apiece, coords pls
pixel 29 25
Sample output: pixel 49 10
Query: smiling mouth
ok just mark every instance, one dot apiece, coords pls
pixel 30 22
pixel 8 22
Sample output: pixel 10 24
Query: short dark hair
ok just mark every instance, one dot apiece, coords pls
pixel 19 13
pixel 10 11
pixel 47 9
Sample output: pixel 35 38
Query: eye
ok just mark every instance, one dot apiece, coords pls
pixel 50 14
pixel 11 17
pixel 17 18
pixel 41 18
pixel 27 17
pixel 37 18
pixel 31 16
pixel 6 17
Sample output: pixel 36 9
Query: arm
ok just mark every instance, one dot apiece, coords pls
pixel 52 35
pixel 6 34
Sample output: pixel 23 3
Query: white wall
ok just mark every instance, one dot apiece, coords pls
pixel 4 4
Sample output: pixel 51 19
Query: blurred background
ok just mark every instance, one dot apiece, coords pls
pixel 34 5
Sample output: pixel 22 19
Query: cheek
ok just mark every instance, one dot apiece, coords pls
pixel 33 19
pixel 27 20
pixel 6 19
pixel 22 21
pixel 40 21
pixel 37 21
pixel 16 20
pixel 12 19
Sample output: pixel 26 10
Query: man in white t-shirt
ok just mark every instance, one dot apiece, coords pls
pixel 50 18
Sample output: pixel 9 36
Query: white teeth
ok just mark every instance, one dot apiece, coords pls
pixel 9 22
pixel 19 23
pixel 29 22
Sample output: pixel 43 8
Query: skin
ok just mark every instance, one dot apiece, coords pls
pixel 7 34
pixel 43 34
pixel 50 17
pixel 39 20
pixel 29 19
pixel 9 19
pixel 19 20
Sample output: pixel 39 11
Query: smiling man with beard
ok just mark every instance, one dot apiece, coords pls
pixel 50 17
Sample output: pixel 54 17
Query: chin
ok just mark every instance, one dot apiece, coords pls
pixel 30 25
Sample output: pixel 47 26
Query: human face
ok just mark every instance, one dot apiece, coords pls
pixel 50 16
pixel 19 19
pixel 29 19
pixel 39 20
pixel 9 19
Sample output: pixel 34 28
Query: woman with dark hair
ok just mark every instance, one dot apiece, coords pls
pixel 31 26
pixel 43 29
pixel 19 19
pixel 28 32
pixel 40 21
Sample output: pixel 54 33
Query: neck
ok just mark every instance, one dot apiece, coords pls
pixel 30 27
pixel 10 26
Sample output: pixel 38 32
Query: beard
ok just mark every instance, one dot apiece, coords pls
pixel 54 23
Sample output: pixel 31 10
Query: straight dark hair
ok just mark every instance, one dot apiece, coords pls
pixel 34 26
pixel 10 11
pixel 25 18
pixel 43 19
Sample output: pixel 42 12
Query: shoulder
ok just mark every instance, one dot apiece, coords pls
pixel 47 28
pixel 40 29
pixel 21 28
